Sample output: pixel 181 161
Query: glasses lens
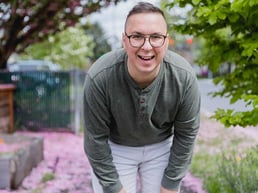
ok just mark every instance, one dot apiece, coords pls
pixel 136 40
pixel 156 40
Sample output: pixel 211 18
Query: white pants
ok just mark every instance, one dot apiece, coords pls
pixel 147 162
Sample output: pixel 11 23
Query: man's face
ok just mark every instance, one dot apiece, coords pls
pixel 145 59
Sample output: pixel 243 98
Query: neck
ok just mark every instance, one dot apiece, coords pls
pixel 143 79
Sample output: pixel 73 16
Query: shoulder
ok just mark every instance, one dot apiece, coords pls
pixel 107 61
pixel 178 63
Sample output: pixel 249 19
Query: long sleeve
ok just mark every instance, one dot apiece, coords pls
pixel 96 123
pixel 186 126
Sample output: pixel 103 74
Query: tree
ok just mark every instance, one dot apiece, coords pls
pixel 24 22
pixel 70 48
pixel 101 44
pixel 230 30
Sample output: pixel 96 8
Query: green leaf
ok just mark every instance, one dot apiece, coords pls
pixel 196 2
pixel 203 12
pixel 221 15
pixel 212 19
pixel 233 17
pixel 48 177
pixel 253 3
pixel 238 5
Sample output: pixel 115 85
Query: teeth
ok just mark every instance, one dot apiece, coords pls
pixel 146 57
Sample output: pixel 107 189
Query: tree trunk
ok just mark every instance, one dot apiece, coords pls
pixel 3 62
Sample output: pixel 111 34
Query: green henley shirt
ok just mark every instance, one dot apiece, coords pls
pixel 115 108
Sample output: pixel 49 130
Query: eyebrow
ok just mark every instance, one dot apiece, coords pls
pixel 155 33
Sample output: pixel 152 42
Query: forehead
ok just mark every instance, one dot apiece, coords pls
pixel 146 23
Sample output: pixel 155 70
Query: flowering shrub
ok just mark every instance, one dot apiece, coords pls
pixel 234 170
pixel 235 173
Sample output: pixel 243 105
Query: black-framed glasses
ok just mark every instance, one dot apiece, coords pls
pixel 138 40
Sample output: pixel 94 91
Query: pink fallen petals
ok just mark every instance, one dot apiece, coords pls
pixel 66 162
pixel 64 158
pixel 6 148
pixel 193 184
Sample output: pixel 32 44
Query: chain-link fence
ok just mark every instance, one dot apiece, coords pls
pixel 45 99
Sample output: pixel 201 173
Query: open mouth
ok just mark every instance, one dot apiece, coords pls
pixel 146 58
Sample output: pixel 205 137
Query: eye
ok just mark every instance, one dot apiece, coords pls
pixel 137 37
pixel 156 37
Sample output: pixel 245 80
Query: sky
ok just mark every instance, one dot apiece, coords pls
pixel 112 19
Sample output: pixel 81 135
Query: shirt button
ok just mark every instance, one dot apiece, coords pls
pixel 141 115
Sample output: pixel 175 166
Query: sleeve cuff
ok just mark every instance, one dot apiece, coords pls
pixel 170 184
pixel 116 188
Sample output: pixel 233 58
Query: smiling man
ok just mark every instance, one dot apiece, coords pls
pixel 141 108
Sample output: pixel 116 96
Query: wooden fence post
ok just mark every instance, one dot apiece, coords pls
pixel 6 108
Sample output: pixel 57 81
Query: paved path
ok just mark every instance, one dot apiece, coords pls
pixel 210 104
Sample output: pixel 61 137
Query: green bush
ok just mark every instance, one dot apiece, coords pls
pixel 235 173
pixel 204 166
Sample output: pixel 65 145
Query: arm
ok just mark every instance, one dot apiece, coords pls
pixel 97 119
pixel 186 126
pixel 163 190
pixel 122 191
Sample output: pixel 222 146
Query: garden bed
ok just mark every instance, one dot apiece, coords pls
pixel 222 156
pixel 18 155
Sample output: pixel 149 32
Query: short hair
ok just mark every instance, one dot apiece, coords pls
pixel 144 7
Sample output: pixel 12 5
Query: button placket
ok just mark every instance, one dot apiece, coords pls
pixel 142 109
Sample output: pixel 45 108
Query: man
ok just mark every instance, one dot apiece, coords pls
pixel 141 110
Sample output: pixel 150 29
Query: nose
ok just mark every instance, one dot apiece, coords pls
pixel 146 45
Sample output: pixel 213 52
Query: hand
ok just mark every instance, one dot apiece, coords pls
pixel 122 191
pixel 163 190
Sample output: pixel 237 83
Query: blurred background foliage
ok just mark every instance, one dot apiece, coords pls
pixel 226 32
pixel 23 23
pixel 74 47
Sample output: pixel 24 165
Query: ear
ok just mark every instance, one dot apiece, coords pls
pixel 167 40
pixel 124 39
